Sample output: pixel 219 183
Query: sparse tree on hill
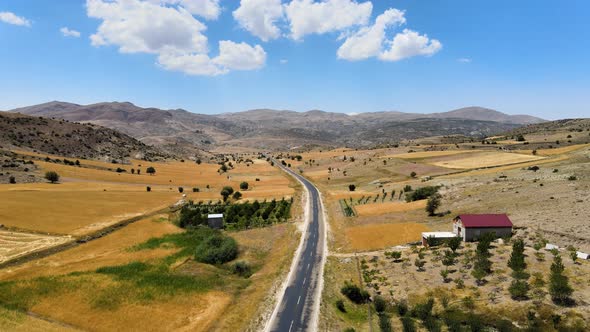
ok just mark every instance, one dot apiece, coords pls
pixel 148 189
pixel 237 195
pixel 351 187
pixel 413 174
pixel 559 287
pixel 432 204
pixel 226 192
pixel 12 179
pixel 150 170
pixel 244 185
pixel 52 176
pixel 180 190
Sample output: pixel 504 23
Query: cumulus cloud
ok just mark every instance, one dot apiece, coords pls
pixel 208 9
pixel 309 17
pixel 368 41
pixel 67 32
pixel 408 44
pixel 169 30
pixel 11 18
pixel 260 17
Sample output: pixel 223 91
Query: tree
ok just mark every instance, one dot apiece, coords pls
pixel 444 274
pixel 516 261
pixel 244 185
pixel 223 168
pixel 150 170
pixel 351 187
pixel 226 192
pixel 413 174
pixel 354 293
pixel 12 179
pixel 520 138
pixel 52 176
pixel 433 204
pixel 454 243
pixel 559 287
pixel 198 161
pixel 148 189
pixel 132 171
pixel 237 195
pixel 180 189
pixel 518 289
pixel 479 274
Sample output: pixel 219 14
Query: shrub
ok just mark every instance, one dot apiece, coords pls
pixel 180 190
pixel 408 324
pixel 216 249
pixel 351 187
pixel 454 243
pixel 52 176
pixel 121 170
pixel 518 289
pixel 413 174
pixel 150 170
pixel 196 190
pixel 244 185
pixel 407 188
pixel 385 323
pixel 520 138
pixel 12 179
pixel 340 306
pixel 402 308
pixel 237 195
pixel 354 293
pixel 148 189
pixel 572 178
pixel 242 269
pixel 421 193
pixel 380 304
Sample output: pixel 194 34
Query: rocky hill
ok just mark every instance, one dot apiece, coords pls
pixel 180 131
pixel 68 139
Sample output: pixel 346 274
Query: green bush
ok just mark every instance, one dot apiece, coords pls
pixel 354 293
pixel 242 269
pixel 421 193
pixel 380 304
pixel 244 185
pixel 52 176
pixel 340 306
pixel 216 249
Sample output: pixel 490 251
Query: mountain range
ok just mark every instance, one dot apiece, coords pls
pixel 181 132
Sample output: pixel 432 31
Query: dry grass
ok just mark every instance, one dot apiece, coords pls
pixel 485 159
pixel 428 154
pixel 370 237
pixel 17 244
pixel 376 209
pixel 75 208
pixel 19 322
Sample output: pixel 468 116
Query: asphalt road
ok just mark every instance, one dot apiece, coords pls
pixel 296 310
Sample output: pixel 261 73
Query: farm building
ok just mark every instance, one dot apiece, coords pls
pixel 215 220
pixel 471 227
pixel 436 237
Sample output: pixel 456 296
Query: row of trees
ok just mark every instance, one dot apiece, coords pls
pixel 237 216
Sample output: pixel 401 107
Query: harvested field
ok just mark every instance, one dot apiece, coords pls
pixel 370 237
pixel 485 159
pixel 429 154
pixel 109 250
pixel 77 211
pixel 375 209
pixel 17 244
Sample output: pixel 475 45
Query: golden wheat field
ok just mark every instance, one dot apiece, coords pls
pixel 484 159
pixel 375 209
pixel 379 236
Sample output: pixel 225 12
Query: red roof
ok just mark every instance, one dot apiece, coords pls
pixel 485 220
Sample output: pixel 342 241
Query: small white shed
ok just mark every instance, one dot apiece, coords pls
pixel 439 237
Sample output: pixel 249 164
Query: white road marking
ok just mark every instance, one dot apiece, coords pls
pixel 304 279
pixel 291 326
pixel 299 299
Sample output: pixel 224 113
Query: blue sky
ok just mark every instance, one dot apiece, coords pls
pixel 335 55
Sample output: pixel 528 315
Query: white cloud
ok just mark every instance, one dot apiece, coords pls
pixel 11 18
pixel 410 43
pixel 208 9
pixel 464 60
pixel 309 17
pixel 260 17
pixel 368 41
pixel 239 56
pixel 171 32
pixel 67 32
pixel 283 61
